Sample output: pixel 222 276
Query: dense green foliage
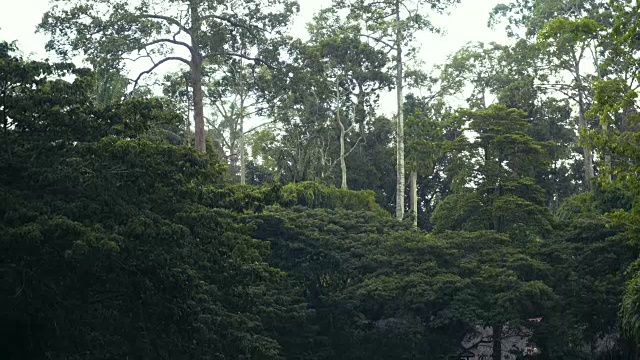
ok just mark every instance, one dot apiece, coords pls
pixel 107 248
pixel 119 240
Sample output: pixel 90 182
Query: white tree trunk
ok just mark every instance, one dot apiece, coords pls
pixel 196 78
pixel 400 120
pixel 243 96
pixel 198 106
pixel 241 148
pixel 586 152
pixel 343 164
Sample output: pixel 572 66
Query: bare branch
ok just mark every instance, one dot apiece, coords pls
pixel 559 88
pixel 175 35
pixel 354 146
pixel 221 110
pixel 170 41
pixel 155 65
pixel 259 126
pixel 333 163
pixel 135 59
pixel 255 111
pixel 403 4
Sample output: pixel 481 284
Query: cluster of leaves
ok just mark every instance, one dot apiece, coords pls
pixel 107 248
pixel 380 289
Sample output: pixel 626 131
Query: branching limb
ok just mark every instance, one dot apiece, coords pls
pixel 354 146
pixel 135 59
pixel 170 41
pixel 381 41
pixel 259 126
pixel 155 66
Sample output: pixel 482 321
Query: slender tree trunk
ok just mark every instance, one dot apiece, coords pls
pixel 243 179
pixel 242 90
pixel 187 125
pixel 607 156
pixel 496 352
pixel 413 196
pixel 586 152
pixel 198 108
pixel 196 71
pixel 400 120
pixel 343 164
pixel 234 150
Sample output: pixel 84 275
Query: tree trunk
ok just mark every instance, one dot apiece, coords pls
pixel 586 152
pixel 198 106
pixel 234 149
pixel 496 353
pixel 243 95
pixel 607 156
pixel 187 125
pixel 241 89
pixel 343 164
pixel 400 120
pixel 413 196
pixel 196 71
pixel 243 179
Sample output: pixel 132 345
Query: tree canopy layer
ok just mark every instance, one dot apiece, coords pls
pixel 122 238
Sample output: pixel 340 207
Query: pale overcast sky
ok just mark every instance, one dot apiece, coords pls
pixel 467 22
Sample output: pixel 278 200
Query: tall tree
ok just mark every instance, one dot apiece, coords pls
pixel 500 199
pixel 567 42
pixel 326 96
pixel 476 67
pixel 569 35
pixel 300 101
pixel 356 70
pixel 516 75
pixel 425 140
pixel 393 25
pixel 205 30
pixel 231 89
pixel 499 191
